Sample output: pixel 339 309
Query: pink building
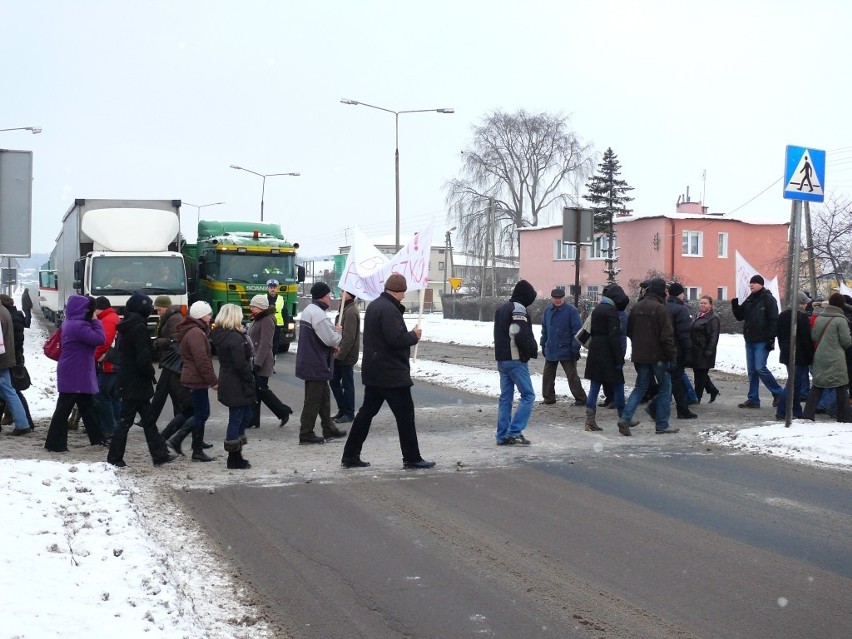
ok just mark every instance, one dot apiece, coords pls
pixel 695 247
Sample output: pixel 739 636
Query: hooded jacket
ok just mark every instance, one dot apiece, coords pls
pixel 136 374
pixel 197 371
pixel 513 334
pixel 605 360
pixel 109 318
pixel 831 335
pixel 682 325
pixel 81 335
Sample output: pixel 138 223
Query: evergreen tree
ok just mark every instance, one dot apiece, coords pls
pixel 608 197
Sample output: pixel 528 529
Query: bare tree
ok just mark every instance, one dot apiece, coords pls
pixel 514 170
pixel 832 239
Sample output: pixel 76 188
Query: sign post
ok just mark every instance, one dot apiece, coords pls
pixel 577 229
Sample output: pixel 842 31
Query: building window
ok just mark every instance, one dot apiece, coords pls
pixel 723 245
pixel 440 266
pixel 562 251
pixel 693 293
pixel 600 248
pixel 692 243
pixel 593 293
pixel 574 291
pixel 722 293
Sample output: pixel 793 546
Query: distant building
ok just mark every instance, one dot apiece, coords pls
pixel 695 247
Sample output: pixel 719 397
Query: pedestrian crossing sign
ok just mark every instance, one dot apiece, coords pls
pixel 804 174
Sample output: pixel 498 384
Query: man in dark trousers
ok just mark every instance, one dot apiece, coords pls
pixel 804 356
pixel 560 323
pixel 386 373
pixel 759 315
pixel 682 324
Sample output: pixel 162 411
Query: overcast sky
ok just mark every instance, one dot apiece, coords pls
pixel 156 99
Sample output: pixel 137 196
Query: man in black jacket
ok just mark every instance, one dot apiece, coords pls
pixel 514 346
pixel 386 373
pixel 682 323
pixel 759 314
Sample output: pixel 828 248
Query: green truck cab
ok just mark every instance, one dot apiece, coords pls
pixel 232 261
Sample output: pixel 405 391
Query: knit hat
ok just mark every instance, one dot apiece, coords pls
pixel 803 298
pixel 557 292
pixel 523 293
pixel 260 301
pixel 5 300
pixel 162 301
pixel 657 286
pixel 836 299
pixel 396 283
pixel 756 279
pixel 675 289
pixel 102 303
pixel 200 309
pixel 139 303
pixel 320 290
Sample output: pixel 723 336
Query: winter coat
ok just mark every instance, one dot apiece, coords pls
pixel 513 335
pixel 682 324
pixel 387 345
pixel 109 318
pixel 605 360
pixel 759 314
pixel 559 325
pixel 7 359
pixel 261 331
pixel 832 331
pixel 804 343
pixel 136 374
pixel 26 300
pixel 350 342
pixel 317 340
pixel 166 329
pixel 651 333
pixel 19 323
pixel 75 372
pixel 704 336
pixel 236 381
pixel 197 371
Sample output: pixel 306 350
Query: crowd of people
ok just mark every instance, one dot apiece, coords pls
pixel 106 365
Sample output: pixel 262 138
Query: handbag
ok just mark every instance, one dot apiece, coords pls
pixel 584 333
pixel 172 359
pixel 20 377
pixel 53 346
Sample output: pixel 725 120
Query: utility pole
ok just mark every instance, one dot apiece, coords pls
pixel 809 238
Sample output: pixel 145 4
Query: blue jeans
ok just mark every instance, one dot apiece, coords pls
pixel 107 402
pixel 514 373
pixel 239 417
pixel 664 393
pixel 756 356
pixel 800 380
pixel 200 406
pixel 691 396
pixel 343 388
pixel 595 389
pixel 10 395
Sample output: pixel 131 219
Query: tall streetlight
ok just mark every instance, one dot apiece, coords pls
pixel 396 154
pixel 264 176
pixel 198 208
pixel 31 129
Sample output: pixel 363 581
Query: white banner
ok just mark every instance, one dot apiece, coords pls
pixel 745 271
pixel 845 290
pixel 367 269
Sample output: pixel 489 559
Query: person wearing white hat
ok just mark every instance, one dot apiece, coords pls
pixel 262 333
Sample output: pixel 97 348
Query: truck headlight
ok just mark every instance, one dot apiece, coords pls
pixel 291 326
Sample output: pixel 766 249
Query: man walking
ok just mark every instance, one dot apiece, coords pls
pixel 759 314
pixel 682 325
pixel 343 377
pixel 801 385
pixel 559 325
pixel 654 354
pixel 318 340
pixel 386 373
pixel 514 346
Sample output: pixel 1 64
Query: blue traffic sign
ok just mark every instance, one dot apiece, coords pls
pixel 804 174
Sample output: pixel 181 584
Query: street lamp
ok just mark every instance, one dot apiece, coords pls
pixel 198 208
pixel 264 176
pixel 32 129
pixel 448 258
pixel 396 154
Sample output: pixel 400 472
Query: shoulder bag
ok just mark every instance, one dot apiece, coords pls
pixel 53 346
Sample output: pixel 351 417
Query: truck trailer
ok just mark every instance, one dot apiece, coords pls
pixel 231 262
pixel 112 248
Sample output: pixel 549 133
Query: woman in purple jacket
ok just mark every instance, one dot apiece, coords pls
pixel 76 378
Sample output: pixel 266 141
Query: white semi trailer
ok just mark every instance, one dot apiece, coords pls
pixel 112 248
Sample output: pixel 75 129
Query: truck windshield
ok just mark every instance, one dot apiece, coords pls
pixel 247 267
pixel 115 274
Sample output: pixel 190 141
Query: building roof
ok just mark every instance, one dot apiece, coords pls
pixel 673 216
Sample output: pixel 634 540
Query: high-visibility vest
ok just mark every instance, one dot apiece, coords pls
pixel 279 307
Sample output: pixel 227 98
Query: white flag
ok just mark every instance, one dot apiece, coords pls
pixel 745 271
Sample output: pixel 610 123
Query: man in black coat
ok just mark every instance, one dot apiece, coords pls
pixel 136 383
pixel 386 373
pixel 804 356
pixel 682 323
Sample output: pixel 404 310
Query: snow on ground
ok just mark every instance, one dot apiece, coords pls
pixel 77 552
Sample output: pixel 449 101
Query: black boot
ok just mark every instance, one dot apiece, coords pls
pixel 177 439
pixel 201 456
pixel 236 461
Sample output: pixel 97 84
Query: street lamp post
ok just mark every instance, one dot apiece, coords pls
pixel 263 176
pixel 31 129
pixel 448 258
pixel 198 208
pixel 396 153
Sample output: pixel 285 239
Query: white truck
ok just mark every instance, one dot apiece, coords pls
pixel 115 247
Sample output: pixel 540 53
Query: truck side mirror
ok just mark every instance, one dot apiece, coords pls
pixel 300 273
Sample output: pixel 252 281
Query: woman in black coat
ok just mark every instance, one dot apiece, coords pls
pixel 705 337
pixel 605 360
pixel 236 382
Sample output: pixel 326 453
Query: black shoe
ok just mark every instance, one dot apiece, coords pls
pixel 343 419
pixel 548 401
pixel 175 445
pixel 520 439
pixel 713 396
pixel 666 431
pixel 168 458
pixel 236 462
pixel 334 434
pixel 56 450
pixel 285 419
pixel 748 404
pixel 103 442
pixel 686 414
pixel 205 445
pixel 311 439
pixel 579 402
pixel 201 456
pixel 509 441
pixel 418 464
pixel 118 463
pixel 21 431
pixel 353 462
